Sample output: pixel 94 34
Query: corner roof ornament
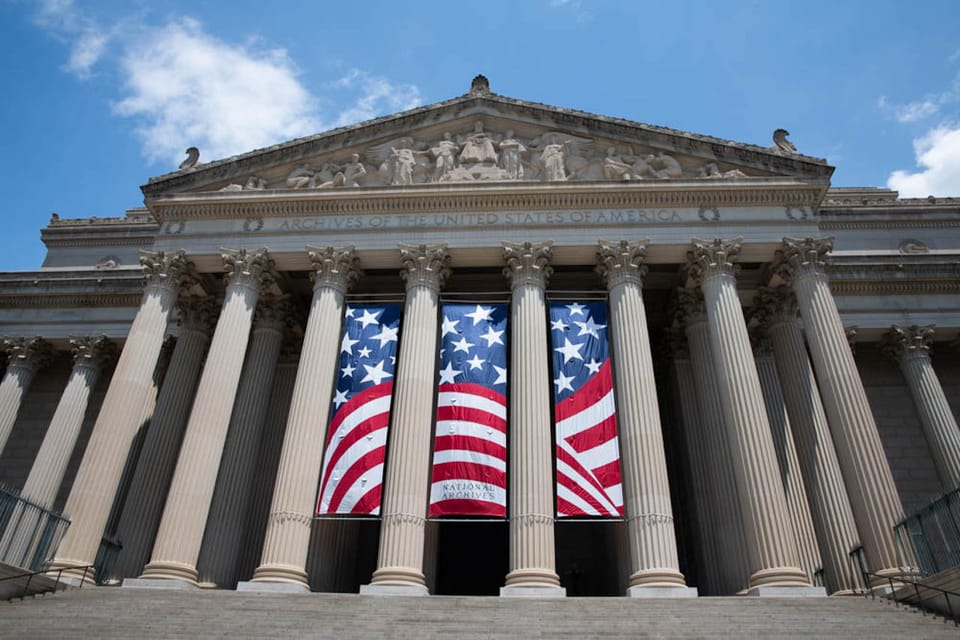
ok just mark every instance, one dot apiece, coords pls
pixel 480 86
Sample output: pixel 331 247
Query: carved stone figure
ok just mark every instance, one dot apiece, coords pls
pixel 712 170
pixel 402 161
pixel 478 147
pixel 614 167
pixel 255 183
pixel 444 153
pixel 553 159
pixel 354 171
pixel 193 155
pixel 302 177
pixel 781 145
pixel 664 166
pixel 510 157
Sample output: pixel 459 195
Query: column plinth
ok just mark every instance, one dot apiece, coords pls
pixel 177 546
pixel 91 497
pixel 910 348
pixel 287 538
pixel 406 482
pixel 649 512
pixel 866 472
pixel 771 545
pixel 25 356
pixel 532 552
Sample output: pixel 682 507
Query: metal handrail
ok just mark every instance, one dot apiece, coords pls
pixel 56 585
pixel 932 534
pixel 894 590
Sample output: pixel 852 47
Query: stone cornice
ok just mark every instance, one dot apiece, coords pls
pixel 903 275
pixel 748 192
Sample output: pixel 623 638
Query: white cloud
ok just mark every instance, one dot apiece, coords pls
pixel 938 154
pixel 912 111
pixel 375 96
pixel 87 39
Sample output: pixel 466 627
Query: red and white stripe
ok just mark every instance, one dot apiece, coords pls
pixel 470 452
pixel 352 475
pixel 588 458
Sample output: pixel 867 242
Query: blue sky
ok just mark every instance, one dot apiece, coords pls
pixel 99 96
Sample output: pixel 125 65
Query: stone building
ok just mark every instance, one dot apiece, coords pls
pixel 171 374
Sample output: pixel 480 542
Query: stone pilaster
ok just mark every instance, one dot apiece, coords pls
pixel 866 472
pixel 771 545
pixel 910 348
pixel 180 535
pixel 98 477
pixel 25 356
pixel 649 512
pixel 532 553
pixel 829 506
pixel 710 433
pixel 406 482
pixel 158 457
pixel 792 478
pixel 220 552
pixel 287 538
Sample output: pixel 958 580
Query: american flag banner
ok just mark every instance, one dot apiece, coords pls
pixel 352 475
pixel 470 447
pixel 588 458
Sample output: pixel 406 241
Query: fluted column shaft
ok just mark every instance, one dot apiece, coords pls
pixel 220 552
pixel 98 477
pixel 712 433
pixel 158 457
pixel 910 348
pixel 25 357
pixel 406 481
pixel 830 508
pixel 532 553
pixel 287 538
pixel 866 472
pixel 771 545
pixel 793 485
pixel 180 535
pixel 650 534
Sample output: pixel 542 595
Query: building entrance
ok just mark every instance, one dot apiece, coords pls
pixel 472 557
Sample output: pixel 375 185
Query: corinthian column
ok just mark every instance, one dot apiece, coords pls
pixel 98 477
pixel 650 535
pixel 406 482
pixel 873 495
pixel 780 429
pixel 532 554
pixel 151 479
pixel 771 545
pixel 710 433
pixel 177 546
pixel 25 356
pixel 287 541
pixel 46 474
pixel 910 348
pixel 228 514
pixel 829 506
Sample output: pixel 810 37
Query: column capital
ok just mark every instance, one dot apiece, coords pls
pixel 851 333
pixel 801 257
pixel 902 343
pixel 164 269
pixel 28 353
pixel 711 258
pixel 760 341
pixel 276 313
pixel 528 263
pixel 687 303
pixel 247 269
pixel 197 313
pixel 92 352
pixel 621 262
pixel 334 267
pixel 425 265
pixel 774 305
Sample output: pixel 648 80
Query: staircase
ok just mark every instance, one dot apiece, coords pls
pixel 111 612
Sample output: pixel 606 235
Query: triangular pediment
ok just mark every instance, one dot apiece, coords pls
pixel 483 137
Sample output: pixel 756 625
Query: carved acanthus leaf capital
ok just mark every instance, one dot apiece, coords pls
pixel 687 302
pixel 801 257
pixel 334 267
pixel 902 343
pixel 247 269
pixel 28 353
pixel 760 341
pixel 92 352
pixel 424 265
pixel 197 313
pixel 528 263
pixel 276 313
pixel 711 258
pixel 164 269
pixel 621 263
pixel 773 305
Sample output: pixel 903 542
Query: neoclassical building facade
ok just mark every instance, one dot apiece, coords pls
pixel 489 346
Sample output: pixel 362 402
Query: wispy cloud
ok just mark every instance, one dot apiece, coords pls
pixel 183 86
pixel 938 154
pixel 911 111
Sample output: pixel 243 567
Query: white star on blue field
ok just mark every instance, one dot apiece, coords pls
pixel 367 350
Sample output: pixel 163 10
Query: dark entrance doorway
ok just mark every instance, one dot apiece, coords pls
pixel 588 557
pixel 343 553
pixel 472 557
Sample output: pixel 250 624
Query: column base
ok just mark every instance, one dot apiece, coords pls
pixel 393 590
pixel 157 583
pixel 400 577
pixel 790 577
pixel 278 573
pixel 787 592
pixel 657 578
pixel 74 573
pixel 265 586
pixel 532 578
pixel 662 592
pixel 532 592
pixel 171 571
